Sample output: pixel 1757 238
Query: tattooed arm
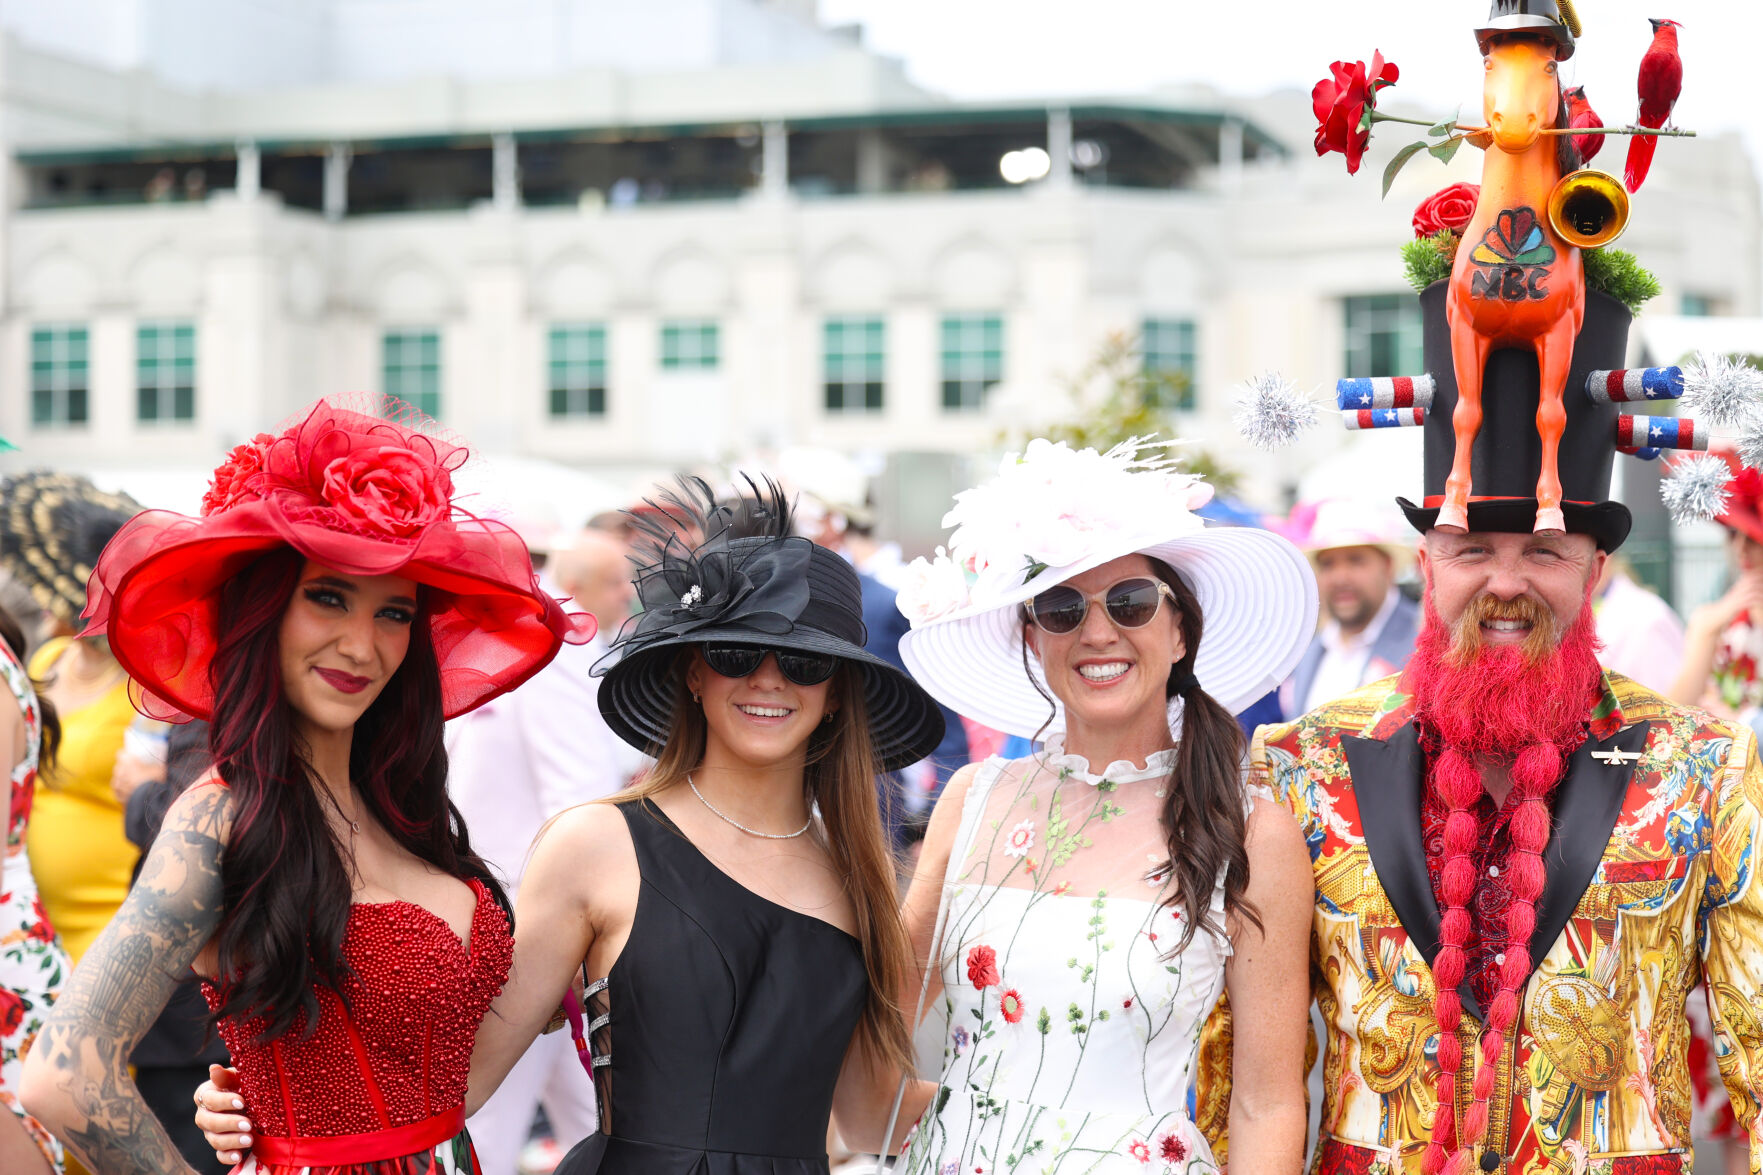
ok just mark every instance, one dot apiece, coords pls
pixel 76 1079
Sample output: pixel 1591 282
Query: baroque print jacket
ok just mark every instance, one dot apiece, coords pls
pixel 1652 889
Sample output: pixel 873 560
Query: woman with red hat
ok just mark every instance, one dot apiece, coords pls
pixel 1723 640
pixel 1723 646
pixel 325 613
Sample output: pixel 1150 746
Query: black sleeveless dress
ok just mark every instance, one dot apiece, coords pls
pixel 719 1032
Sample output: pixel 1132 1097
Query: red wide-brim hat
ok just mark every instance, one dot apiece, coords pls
pixel 359 494
pixel 1744 499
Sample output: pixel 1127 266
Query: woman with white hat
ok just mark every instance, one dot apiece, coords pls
pixel 1082 910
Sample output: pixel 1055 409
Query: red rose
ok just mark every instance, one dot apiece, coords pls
pixel 1010 1003
pixel 1447 209
pixel 1343 105
pixel 232 481
pixel 11 1012
pixel 982 968
pixel 387 488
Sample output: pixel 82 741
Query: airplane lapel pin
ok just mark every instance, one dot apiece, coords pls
pixel 1618 757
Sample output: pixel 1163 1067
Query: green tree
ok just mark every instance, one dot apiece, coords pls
pixel 1114 398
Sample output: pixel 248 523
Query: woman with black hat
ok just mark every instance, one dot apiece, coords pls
pixel 742 927
pixel 734 916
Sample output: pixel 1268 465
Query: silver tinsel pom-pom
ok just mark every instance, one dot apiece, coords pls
pixel 1696 489
pixel 1271 411
pixel 1749 444
pixel 1722 392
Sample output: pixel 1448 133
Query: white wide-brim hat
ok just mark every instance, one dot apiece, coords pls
pixel 1257 597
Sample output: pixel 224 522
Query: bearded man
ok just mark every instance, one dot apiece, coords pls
pixel 1523 866
pixel 1524 863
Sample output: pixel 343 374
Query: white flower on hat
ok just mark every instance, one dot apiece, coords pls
pixel 933 588
pixel 1052 506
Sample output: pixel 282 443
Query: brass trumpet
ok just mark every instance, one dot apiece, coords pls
pixel 1588 208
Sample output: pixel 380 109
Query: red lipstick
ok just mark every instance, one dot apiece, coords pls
pixel 346 682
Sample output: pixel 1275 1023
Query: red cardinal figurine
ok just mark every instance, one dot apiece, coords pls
pixel 1581 114
pixel 1661 81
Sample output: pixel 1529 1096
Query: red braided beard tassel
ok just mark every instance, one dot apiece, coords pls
pixel 1458 782
pixel 1498 705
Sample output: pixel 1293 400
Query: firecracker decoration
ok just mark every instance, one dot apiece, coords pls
pixel 1271 412
pixel 1355 419
pixel 1634 385
pixel 1696 489
pixel 1660 432
pixel 1400 391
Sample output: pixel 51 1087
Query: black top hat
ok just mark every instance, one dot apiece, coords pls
pixel 1508 454
pixel 1543 17
pixel 52 528
pixel 749 582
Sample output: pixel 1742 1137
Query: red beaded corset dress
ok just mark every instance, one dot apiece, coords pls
pixel 380 1086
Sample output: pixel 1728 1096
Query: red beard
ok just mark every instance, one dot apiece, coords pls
pixel 1489 700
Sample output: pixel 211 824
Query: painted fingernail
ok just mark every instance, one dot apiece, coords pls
pixel 244 1125
pixel 244 1140
pixel 237 1104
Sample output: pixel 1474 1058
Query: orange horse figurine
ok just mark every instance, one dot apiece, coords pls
pixel 1515 282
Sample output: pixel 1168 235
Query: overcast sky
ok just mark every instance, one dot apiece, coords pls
pixel 979 49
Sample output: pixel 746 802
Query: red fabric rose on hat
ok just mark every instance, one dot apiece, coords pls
pixel 1343 104
pixel 232 481
pixel 387 488
pixel 1450 208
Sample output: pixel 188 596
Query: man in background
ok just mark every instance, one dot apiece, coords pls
pixel 517 761
pixel 832 509
pixel 1370 625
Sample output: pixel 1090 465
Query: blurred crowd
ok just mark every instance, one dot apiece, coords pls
pixel 90 779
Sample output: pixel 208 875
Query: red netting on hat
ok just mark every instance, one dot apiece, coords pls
pixel 360 494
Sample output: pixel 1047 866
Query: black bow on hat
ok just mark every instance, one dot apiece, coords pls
pixel 750 581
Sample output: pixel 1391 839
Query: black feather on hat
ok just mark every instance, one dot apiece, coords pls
pixel 52 528
pixel 734 574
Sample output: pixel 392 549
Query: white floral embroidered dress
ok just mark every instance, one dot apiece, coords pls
pixel 1064 1033
pixel 32 964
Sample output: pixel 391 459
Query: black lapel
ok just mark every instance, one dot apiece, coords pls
pixel 1387 784
pixel 1587 805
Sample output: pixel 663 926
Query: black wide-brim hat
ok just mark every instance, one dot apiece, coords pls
pixel 1508 453
pixel 771 592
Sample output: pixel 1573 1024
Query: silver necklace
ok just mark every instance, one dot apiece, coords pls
pixel 726 818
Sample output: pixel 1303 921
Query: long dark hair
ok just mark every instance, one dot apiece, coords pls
pixel 1205 827
pixel 286 890
pixel 13 634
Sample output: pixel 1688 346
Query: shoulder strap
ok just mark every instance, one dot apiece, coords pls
pixel 973 806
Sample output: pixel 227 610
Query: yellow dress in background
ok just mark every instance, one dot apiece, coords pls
pixel 78 852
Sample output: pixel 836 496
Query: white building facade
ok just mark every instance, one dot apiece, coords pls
pixel 641 245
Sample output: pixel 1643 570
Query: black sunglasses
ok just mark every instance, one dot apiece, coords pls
pixel 1131 603
pixel 741 660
